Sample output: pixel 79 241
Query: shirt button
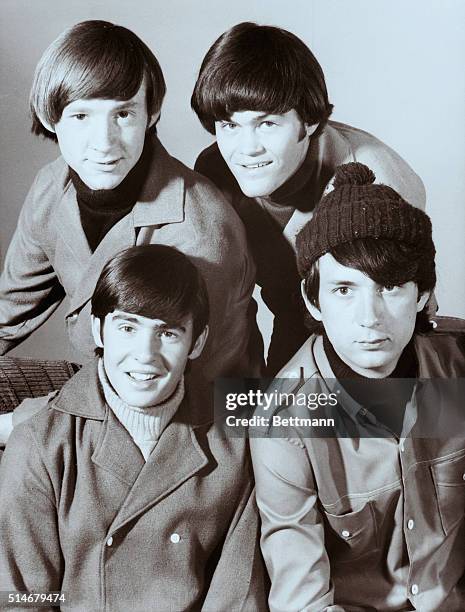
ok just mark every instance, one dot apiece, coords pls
pixel 175 538
pixel 411 524
pixel 414 589
pixel 345 533
pixel 401 446
pixel 110 541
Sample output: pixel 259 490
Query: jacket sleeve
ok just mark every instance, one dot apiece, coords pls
pixel 239 583
pixel 30 555
pixel 292 537
pixel 29 288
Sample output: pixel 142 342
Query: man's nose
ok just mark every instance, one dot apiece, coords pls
pixel 103 134
pixel 148 347
pixel 370 309
pixel 250 142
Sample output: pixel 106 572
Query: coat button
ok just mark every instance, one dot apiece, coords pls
pixel 345 533
pixel 110 541
pixel 410 524
pixel 414 589
pixel 175 538
pixel 463 476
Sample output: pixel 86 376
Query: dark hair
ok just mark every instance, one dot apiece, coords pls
pixel 154 281
pixel 260 68
pixel 386 262
pixel 93 59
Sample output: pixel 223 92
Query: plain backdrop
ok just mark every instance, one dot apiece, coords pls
pixel 393 68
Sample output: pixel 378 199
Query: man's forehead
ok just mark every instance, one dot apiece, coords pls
pixel 331 271
pixel 138 100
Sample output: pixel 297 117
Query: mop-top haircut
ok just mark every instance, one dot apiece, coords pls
pixel 93 59
pixel 260 68
pixel 153 281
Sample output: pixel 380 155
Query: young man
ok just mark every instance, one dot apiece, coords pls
pixel 121 494
pixel 262 92
pixel 98 92
pixel 373 520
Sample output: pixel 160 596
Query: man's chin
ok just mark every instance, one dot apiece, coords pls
pixel 100 183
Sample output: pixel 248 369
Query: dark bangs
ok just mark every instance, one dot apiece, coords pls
pixel 153 281
pixel 259 68
pixel 93 59
pixel 388 262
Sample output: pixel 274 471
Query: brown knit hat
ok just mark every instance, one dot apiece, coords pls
pixel 357 208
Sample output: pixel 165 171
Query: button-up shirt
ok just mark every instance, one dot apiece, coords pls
pixel 365 523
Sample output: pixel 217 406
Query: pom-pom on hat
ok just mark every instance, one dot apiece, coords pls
pixel 357 208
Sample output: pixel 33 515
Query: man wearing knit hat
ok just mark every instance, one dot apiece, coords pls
pixel 368 514
pixel 262 93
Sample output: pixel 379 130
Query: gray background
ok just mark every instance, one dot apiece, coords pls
pixel 393 68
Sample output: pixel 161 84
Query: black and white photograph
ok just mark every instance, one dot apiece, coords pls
pixel 232 306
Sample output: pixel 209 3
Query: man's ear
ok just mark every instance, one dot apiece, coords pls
pixel 312 309
pixel 199 344
pixel 48 126
pixel 422 299
pixel 97 331
pixel 311 129
pixel 153 119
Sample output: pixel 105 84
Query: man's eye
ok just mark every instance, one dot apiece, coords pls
pixel 168 334
pixel 127 329
pixel 79 116
pixel 123 114
pixel 390 288
pixel 229 126
pixel 342 290
pixel 268 124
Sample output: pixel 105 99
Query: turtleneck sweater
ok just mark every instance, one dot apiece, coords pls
pixel 385 400
pixel 144 425
pixel 293 193
pixel 101 209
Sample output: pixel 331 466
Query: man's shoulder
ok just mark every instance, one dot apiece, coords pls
pixel 302 364
pixel 349 144
pixel 441 351
pixel 48 187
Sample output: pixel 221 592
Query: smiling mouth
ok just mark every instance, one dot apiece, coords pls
pixel 141 377
pixel 257 165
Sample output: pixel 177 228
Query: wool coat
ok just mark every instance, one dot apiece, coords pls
pixel 273 247
pixel 49 258
pixel 81 512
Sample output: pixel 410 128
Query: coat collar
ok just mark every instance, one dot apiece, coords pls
pixel 178 455
pixel 82 396
pixel 161 201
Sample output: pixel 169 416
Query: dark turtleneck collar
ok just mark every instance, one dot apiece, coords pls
pixel 101 209
pixel 294 192
pixel 385 399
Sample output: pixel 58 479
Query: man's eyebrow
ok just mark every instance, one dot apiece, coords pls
pixel 135 320
pixel 344 283
pixel 127 318
pixel 129 103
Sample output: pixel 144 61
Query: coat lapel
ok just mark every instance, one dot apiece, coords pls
pixel 176 458
pixel 161 201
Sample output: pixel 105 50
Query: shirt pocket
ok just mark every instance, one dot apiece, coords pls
pixel 449 483
pixel 352 535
